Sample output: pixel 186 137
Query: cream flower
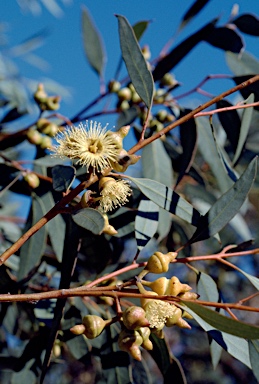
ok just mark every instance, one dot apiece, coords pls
pixel 89 143
pixel 158 312
pixel 114 193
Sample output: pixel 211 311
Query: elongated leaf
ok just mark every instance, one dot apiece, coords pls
pixel 55 227
pixel 168 365
pixel 93 45
pixel 208 291
pixel 235 346
pixel 244 129
pixel 230 121
pixel 253 280
pixel 157 166
pixel 34 248
pixel 226 206
pixel 188 136
pixel 207 288
pixel 167 199
pixel 70 250
pixel 254 356
pixel 225 38
pixel 139 28
pixel 90 219
pixel 63 176
pixel 223 323
pixel 207 147
pixel 244 64
pixel 167 63
pixel 195 8
pixel 247 23
pixel 146 222
pixel 224 158
pixel 135 62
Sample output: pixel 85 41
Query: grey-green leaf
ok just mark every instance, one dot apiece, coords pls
pixel 254 356
pixel 34 248
pixel 139 28
pixel 136 64
pixel 223 323
pixel 146 222
pixel 90 219
pixel 93 44
pixel 235 346
pixel 157 166
pixel 167 199
pixel 226 207
pixel 62 176
pixel 244 129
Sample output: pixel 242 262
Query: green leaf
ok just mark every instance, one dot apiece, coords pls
pixel 226 206
pixel 223 323
pixel 168 365
pixel 146 222
pixel 235 346
pixel 135 62
pixel 90 219
pixel 93 45
pixel 157 165
pixel 49 161
pixel 25 376
pixel 167 199
pixel 139 28
pixel 209 152
pixel 244 64
pixel 254 280
pixel 33 249
pixel 62 176
pixel 244 129
pixel 55 227
pixel 207 288
pixel 254 356
pixel 195 8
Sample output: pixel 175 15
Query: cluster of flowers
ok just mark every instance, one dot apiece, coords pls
pixel 138 322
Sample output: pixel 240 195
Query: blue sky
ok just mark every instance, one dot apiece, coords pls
pixel 63 48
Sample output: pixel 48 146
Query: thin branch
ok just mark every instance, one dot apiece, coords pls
pixel 190 115
pixel 234 107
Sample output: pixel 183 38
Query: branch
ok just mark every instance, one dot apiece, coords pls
pixel 192 114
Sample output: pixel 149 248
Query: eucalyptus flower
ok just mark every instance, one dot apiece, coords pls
pixel 89 144
pixel 113 193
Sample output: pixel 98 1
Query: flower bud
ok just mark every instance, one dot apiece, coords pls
pixel 159 262
pixel 94 325
pixel 46 142
pixel 108 229
pixel 114 86
pixel 145 333
pixel 159 285
pixel 34 137
pixel 47 127
pixel 168 80
pixel 78 329
pixel 182 323
pixel 129 341
pixel 124 160
pixel 32 180
pixel 146 52
pixel 188 296
pixel 173 319
pixel 124 94
pixel 52 103
pixel 119 135
pixel 134 318
pixel 161 115
pixel 40 95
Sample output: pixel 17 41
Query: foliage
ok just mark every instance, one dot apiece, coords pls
pixel 78 283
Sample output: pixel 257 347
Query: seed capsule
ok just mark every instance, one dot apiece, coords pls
pixel 159 263
pixel 94 325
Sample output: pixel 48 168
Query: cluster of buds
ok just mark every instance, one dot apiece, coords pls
pixel 138 322
pixel 45 102
pixel 42 133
